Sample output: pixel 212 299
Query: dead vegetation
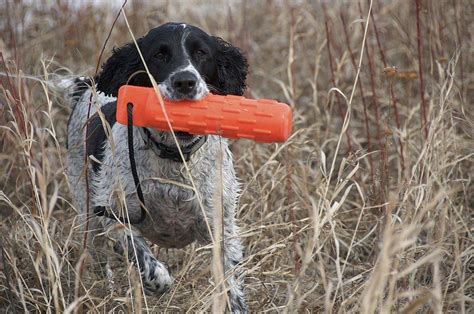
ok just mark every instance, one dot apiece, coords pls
pixel 367 208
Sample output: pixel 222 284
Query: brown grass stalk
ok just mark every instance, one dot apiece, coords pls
pixel 86 158
pixel 341 110
pixel 13 93
pixel 362 96
pixel 289 168
pixel 459 21
pixel 304 203
pixel 419 39
pixel 375 106
pixel 392 93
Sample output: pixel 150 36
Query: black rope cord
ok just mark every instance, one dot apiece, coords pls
pixel 100 210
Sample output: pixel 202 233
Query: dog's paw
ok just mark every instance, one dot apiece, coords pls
pixel 156 278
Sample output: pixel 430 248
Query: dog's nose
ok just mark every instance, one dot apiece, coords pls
pixel 184 83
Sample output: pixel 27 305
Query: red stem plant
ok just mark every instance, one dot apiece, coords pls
pixel 392 94
pixel 375 105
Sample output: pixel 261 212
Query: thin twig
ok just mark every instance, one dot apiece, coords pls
pixel 459 17
pixel 362 95
pixel 342 112
pixel 86 158
pixel 420 69
pixel 392 93
pixel 15 95
pixel 375 105
pixel 289 196
pixel 6 272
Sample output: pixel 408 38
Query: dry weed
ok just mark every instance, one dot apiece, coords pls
pixel 368 207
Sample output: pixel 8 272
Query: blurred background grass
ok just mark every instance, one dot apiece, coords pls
pixel 382 222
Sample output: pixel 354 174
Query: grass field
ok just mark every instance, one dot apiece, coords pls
pixel 368 207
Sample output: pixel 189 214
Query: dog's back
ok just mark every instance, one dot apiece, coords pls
pixel 83 103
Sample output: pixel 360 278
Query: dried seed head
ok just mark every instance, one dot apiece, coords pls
pixel 408 75
pixel 390 71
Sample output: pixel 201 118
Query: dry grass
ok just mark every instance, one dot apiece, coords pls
pixel 375 215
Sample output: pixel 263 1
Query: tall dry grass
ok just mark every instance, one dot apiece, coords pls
pixel 367 208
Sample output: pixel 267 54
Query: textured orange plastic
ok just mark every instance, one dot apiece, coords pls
pixel 261 120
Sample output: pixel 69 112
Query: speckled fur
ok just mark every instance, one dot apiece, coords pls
pixel 174 218
pixel 173 52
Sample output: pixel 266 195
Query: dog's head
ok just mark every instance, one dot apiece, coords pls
pixel 185 61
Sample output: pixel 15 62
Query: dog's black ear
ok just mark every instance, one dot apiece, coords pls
pixel 117 70
pixel 232 68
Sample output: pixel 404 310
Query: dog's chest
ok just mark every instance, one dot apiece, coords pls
pixel 174 215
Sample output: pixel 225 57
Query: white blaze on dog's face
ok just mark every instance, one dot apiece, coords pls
pixel 192 53
pixel 186 62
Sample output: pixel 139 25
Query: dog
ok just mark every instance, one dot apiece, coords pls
pixel 187 63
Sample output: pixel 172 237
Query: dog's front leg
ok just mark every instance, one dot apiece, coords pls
pixel 233 273
pixel 155 277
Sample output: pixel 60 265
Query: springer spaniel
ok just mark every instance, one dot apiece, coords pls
pixel 187 63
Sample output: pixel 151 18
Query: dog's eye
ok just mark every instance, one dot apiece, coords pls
pixel 161 56
pixel 200 53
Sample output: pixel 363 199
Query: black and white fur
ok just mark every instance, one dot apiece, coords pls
pixel 187 63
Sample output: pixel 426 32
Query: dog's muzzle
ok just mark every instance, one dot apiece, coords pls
pixel 184 84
